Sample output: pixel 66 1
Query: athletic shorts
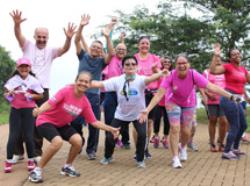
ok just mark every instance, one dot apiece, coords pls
pixel 148 97
pixel 180 115
pixel 49 131
pixel 215 110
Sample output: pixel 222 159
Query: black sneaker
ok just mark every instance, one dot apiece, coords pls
pixel 69 171
pixel 35 176
pixel 147 155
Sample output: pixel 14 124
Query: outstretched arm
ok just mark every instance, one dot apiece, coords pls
pixel 44 107
pixel 69 34
pixel 156 99
pixel 156 76
pixel 216 65
pixel 96 84
pixel 84 21
pixel 101 125
pixel 17 18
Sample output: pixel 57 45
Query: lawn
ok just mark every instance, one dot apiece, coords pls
pixel 4 112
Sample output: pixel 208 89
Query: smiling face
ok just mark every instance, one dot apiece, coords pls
pixel 235 56
pixel 166 63
pixel 23 70
pixel 182 66
pixel 121 50
pixel 41 36
pixel 82 83
pixel 144 45
pixel 96 49
pixel 130 66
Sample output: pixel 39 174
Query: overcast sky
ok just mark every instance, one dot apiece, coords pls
pixel 55 14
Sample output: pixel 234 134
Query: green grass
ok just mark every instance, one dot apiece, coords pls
pixel 4 112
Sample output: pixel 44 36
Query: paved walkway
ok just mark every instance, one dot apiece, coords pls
pixel 202 168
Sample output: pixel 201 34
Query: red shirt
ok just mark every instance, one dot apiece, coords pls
pixel 65 107
pixel 235 77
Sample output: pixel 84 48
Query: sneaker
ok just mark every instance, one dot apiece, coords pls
pixel 31 165
pixel 126 146
pixel 7 167
pixel 106 161
pixel 183 154
pixel 118 143
pixel 91 156
pixel 69 171
pixel 176 163
pixel 237 152
pixel 155 140
pixel 35 176
pixel 147 155
pixel 193 147
pixel 140 164
pixel 213 148
pixel 245 138
pixel 17 158
pixel 229 156
pixel 164 142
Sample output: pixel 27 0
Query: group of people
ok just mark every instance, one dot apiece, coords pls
pixel 138 89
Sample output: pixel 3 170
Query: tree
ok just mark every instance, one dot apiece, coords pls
pixel 6 69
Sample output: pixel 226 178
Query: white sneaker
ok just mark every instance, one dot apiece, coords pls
pixel 176 163
pixel 17 158
pixel 183 154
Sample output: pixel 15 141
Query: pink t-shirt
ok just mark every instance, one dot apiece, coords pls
pixel 145 67
pixel 182 91
pixel 41 60
pixel 162 102
pixel 114 68
pixel 21 87
pixel 236 78
pixel 65 107
pixel 217 80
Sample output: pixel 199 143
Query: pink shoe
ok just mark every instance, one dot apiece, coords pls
pixel 155 140
pixel 7 167
pixel 31 165
pixel 119 143
pixel 164 142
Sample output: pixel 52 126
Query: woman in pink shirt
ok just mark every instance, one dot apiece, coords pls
pixel 53 123
pixel 215 111
pixel 236 76
pixel 148 64
pixel 21 90
pixel 166 63
pixel 179 88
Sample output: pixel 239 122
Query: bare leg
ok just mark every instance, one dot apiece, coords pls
pixel 76 144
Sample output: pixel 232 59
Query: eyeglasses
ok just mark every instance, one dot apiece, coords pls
pixel 130 64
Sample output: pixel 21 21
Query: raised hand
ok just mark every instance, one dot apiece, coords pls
pixel 84 20
pixel 71 30
pixel 217 49
pixel 17 16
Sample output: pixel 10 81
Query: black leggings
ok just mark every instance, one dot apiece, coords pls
pixel 21 124
pixel 141 138
pixel 160 111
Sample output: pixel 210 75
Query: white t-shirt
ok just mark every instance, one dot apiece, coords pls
pixel 128 110
pixel 41 60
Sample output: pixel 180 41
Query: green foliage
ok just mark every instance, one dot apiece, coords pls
pixel 172 32
pixel 4 112
pixel 6 69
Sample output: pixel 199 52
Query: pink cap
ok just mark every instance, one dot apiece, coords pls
pixel 23 61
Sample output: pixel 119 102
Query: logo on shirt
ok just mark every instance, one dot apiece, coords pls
pixel 72 110
pixel 131 92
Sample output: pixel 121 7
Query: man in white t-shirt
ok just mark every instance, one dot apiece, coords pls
pixel 41 58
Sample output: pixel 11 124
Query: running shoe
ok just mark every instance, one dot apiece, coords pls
pixel 17 158
pixel 147 155
pixel 118 143
pixel 140 164
pixel 176 163
pixel 106 161
pixel 238 152
pixel 91 156
pixel 183 154
pixel 164 142
pixel 193 147
pixel 229 156
pixel 155 140
pixel 69 171
pixel 31 165
pixel 7 167
pixel 36 176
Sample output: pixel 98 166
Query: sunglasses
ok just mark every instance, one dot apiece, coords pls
pixel 130 64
